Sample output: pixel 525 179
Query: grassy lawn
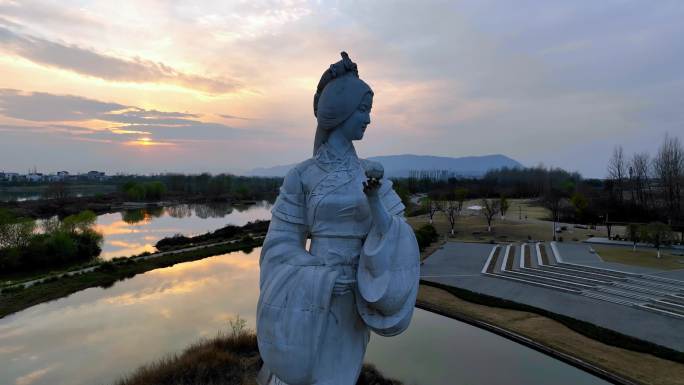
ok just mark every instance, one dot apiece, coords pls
pixel 639 367
pixel 473 227
pixel 640 257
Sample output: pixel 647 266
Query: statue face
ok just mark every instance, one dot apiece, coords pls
pixel 355 126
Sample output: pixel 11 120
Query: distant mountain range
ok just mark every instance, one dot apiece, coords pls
pixel 398 166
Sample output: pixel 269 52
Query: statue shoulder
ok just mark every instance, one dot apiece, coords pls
pixel 296 178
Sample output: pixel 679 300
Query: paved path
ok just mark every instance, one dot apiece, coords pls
pixel 611 242
pixel 460 265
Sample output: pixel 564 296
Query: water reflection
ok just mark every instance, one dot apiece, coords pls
pixel 135 231
pixel 97 335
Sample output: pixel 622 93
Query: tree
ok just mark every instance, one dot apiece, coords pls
pixel 580 203
pixel 617 170
pixel 552 201
pixel 658 234
pixel 432 206
pixel 633 231
pixel 79 223
pixel 57 190
pixel 490 208
pixel 640 171
pixel 15 232
pixel 668 166
pixel 460 195
pixel 452 211
pixel 503 206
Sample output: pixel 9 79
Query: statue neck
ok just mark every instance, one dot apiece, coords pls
pixel 338 143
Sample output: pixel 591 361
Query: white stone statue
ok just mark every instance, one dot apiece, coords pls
pixel 317 307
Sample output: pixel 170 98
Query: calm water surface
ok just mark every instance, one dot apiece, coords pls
pixel 135 231
pixel 97 335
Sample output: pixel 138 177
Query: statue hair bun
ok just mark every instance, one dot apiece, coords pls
pixel 341 68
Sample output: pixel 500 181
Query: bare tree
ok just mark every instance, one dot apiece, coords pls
pixel 552 200
pixel 490 208
pixel 504 205
pixel 451 209
pixel 668 166
pixel 617 170
pixel 433 207
pixel 640 166
pixel 658 234
pixel 461 195
pixel 633 231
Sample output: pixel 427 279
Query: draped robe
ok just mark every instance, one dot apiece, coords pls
pixel 306 334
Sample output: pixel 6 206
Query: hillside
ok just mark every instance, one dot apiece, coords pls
pixel 397 166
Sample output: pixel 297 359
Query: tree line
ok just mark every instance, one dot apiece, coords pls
pixel 650 186
pixel 28 246
pixel 205 185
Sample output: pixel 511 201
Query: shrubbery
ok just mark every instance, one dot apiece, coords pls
pixel 144 191
pixel 61 243
pixel 425 236
pixel 222 234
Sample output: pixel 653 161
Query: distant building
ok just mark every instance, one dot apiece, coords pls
pixel 12 176
pixel 96 175
pixel 35 177
pixel 9 176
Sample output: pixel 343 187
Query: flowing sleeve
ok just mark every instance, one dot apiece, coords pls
pixel 295 290
pixel 389 271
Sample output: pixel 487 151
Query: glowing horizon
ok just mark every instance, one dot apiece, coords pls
pixel 222 87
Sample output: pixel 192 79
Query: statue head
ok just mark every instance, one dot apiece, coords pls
pixel 342 102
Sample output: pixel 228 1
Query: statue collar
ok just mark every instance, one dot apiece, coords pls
pixel 330 159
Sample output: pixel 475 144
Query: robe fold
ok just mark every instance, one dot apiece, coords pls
pixel 306 334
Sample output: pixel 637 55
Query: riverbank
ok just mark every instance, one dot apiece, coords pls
pixel 616 364
pixel 107 273
pixel 229 358
pixel 491 313
pixel 110 203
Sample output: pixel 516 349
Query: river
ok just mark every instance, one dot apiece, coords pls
pixel 97 335
pixel 135 231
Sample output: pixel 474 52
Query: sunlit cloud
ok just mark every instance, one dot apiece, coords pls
pixel 34 376
pixel 231 83
pixel 134 126
pixel 147 142
pixel 91 63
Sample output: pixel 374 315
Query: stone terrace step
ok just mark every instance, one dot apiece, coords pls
pixel 627 294
pixel 582 272
pixel 609 298
pixel 658 285
pixel 592 269
pixel 667 281
pixel 545 280
pixel 662 308
pixel 563 276
pixel 534 283
pixel 642 289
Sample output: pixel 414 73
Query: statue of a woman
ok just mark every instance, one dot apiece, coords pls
pixel 317 306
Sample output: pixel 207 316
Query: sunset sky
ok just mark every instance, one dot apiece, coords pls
pixel 220 86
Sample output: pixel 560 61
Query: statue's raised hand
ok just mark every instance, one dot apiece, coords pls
pixel 371 187
pixel 374 173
